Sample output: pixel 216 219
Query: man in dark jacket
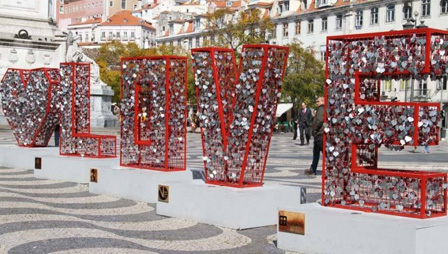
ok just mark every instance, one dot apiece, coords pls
pixel 317 127
pixel 304 120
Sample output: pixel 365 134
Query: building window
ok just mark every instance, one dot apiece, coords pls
pixel 198 42
pixel 287 5
pixel 339 22
pixel 310 26
pixel 322 56
pixel 388 85
pixel 374 16
pixel 423 88
pixel 426 8
pixel 444 83
pixel 324 24
pixel 285 30
pixel 298 27
pixel 135 7
pixel 444 6
pixel 87 37
pixel 390 13
pixel 407 12
pixel 123 4
pixel 111 3
pixel 358 19
pixel 190 43
pixel 110 36
pixel 103 36
pixel 125 36
pixel 197 23
pixel 118 35
pixel 61 9
pixel 132 35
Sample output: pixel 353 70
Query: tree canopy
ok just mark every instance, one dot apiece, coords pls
pixel 250 27
pixel 109 55
pixel 304 77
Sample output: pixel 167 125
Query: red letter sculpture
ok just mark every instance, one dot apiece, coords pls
pixel 27 104
pixel 237 113
pixel 358 123
pixel 74 106
pixel 153 112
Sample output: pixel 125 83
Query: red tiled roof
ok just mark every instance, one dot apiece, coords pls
pixel 223 4
pixel 87 22
pixel 177 21
pixel 149 6
pixel 87 43
pixel 125 18
pixel 190 28
pixel 263 4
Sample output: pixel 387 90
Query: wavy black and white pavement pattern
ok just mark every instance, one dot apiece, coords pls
pixel 43 216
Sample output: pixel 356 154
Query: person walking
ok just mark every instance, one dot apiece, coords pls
pixel 294 122
pixel 304 121
pixel 318 133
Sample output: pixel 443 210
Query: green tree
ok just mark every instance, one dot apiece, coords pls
pixel 250 27
pixel 304 78
pixel 109 57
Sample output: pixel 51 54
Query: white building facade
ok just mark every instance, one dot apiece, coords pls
pixel 312 24
pixel 122 26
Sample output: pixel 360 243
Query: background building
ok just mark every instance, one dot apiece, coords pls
pixel 310 22
pixel 122 26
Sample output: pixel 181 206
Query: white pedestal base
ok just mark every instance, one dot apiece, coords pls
pixel 339 231
pixel 100 110
pixel 13 156
pixel 134 184
pixel 71 169
pixel 225 206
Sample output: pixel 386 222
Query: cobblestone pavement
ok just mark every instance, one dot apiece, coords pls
pixel 44 216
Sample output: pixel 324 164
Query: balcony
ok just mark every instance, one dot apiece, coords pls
pixel 422 95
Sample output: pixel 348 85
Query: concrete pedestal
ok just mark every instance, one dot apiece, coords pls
pixel 135 184
pixel 339 231
pixel 71 169
pixel 227 207
pixel 13 156
pixel 100 109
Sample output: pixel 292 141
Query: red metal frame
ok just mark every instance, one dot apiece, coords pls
pixel 136 152
pixel 45 128
pixel 76 139
pixel 224 169
pixel 365 183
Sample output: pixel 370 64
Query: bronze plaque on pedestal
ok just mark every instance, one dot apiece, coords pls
pixel 291 222
pixel 93 175
pixel 37 163
pixel 164 193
